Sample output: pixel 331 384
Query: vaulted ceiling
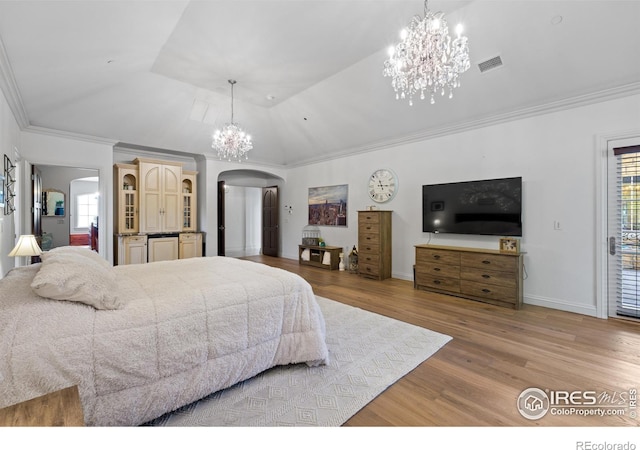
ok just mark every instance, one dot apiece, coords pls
pixel 309 72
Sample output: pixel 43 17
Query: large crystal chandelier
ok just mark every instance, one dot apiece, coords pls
pixel 232 143
pixel 426 60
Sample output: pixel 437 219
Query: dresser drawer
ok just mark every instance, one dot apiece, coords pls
pixel 488 276
pixel 492 262
pixel 494 292
pixel 438 270
pixel 427 255
pixel 368 258
pixel 368 239
pixel 368 246
pixel 368 269
pixel 441 283
pixel 368 217
pixel 373 228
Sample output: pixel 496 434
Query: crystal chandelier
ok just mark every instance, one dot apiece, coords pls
pixel 232 143
pixel 426 60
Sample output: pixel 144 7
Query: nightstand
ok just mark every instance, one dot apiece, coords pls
pixel 56 409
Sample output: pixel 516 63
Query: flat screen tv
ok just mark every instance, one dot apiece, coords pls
pixel 488 207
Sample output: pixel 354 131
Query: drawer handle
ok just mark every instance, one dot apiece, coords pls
pixel 436 256
pixel 368 228
pixel 368 259
pixel 486 276
pixel 369 248
pixel 486 262
pixel 368 269
pixel 486 291
pixel 368 217
pixel 437 269
pixel 368 238
pixel 436 282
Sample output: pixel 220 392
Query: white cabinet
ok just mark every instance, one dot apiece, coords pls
pixel 131 250
pixel 126 196
pixel 160 196
pixel 163 249
pixel 190 245
pixel 189 201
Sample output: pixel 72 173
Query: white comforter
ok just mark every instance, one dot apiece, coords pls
pixel 188 328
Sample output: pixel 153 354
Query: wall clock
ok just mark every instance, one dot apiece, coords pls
pixel 383 185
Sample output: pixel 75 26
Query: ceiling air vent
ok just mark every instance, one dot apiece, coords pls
pixel 490 64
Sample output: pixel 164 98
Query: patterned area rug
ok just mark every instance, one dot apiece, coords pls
pixel 368 353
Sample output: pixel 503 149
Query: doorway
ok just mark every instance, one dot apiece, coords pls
pixel 66 205
pixel 241 213
pixel 623 228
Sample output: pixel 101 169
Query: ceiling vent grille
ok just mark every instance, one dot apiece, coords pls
pixel 490 64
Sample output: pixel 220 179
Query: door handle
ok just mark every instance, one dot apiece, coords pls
pixel 612 245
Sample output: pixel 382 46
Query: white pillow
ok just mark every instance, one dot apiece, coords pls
pixel 75 277
pixel 81 251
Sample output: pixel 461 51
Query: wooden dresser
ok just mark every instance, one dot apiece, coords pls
pixel 484 275
pixel 374 244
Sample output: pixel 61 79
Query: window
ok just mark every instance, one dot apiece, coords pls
pixel 86 209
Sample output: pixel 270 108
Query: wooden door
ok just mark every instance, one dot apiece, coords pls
pixel 270 221
pixel 150 198
pixel 221 231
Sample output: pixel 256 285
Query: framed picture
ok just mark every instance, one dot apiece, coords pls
pixel 328 205
pixel 509 245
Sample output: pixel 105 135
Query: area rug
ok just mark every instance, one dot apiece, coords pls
pixel 368 353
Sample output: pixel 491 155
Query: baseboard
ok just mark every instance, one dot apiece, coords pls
pixel 554 303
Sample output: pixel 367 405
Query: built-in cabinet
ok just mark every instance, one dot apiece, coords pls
pixel 155 212
pixel 131 249
pixel 125 178
pixel 190 245
pixel 189 196
pixel 161 195
pixel 374 243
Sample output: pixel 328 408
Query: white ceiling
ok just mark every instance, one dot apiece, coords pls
pixel 154 73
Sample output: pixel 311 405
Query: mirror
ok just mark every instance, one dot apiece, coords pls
pixel 53 203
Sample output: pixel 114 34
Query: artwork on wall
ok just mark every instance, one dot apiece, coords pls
pixel 328 205
pixel 8 185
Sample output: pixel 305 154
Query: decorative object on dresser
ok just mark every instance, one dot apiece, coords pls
pixel 374 241
pixel 383 185
pixel 509 245
pixel 478 274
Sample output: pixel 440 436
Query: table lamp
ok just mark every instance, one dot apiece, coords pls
pixel 26 246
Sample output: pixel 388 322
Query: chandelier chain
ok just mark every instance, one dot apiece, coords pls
pixel 232 143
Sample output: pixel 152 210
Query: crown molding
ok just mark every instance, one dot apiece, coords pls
pixel 70 135
pixel 10 89
pixel 547 108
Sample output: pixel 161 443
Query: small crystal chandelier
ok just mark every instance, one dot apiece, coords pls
pixel 232 143
pixel 426 60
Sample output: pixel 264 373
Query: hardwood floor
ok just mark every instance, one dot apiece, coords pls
pixel 495 354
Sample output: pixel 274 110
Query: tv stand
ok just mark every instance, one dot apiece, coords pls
pixel 483 275
pixel 317 256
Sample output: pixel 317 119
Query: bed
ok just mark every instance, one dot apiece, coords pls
pixel 144 340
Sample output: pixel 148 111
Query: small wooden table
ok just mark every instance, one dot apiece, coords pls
pixel 57 409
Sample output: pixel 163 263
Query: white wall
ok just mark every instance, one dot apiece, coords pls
pixel 9 145
pixel 554 153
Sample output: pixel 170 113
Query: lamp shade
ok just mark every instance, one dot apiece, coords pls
pixel 26 246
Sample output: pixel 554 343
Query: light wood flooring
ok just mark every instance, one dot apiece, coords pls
pixel 495 354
